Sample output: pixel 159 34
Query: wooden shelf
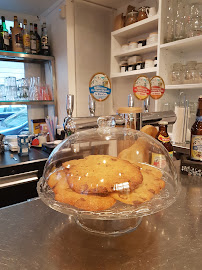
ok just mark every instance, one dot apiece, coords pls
pixel 184 45
pixel 28 102
pixel 23 57
pixel 138 51
pixel 138 28
pixel 184 86
pixel 134 72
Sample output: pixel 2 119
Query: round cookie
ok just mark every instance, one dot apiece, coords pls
pixel 102 174
pixel 150 186
pixel 55 177
pixel 64 194
pixel 149 169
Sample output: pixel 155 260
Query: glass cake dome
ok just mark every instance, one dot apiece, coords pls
pixel 109 178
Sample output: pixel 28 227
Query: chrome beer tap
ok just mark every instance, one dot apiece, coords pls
pixel 69 125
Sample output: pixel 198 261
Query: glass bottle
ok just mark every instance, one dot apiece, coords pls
pixel 17 39
pixel 38 40
pixel 196 135
pixel 32 39
pixel 26 38
pixel 10 39
pixel 159 160
pixel 5 35
pixel 1 38
pixel 163 137
pixel 170 23
pixel 44 41
pixel 179 29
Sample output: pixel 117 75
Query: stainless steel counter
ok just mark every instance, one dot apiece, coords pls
pixel 33 236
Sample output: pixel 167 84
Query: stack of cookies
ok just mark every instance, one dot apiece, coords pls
pixel 97 182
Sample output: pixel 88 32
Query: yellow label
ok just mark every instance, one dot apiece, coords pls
pixel 158 160
pixel 163 139
pixel 196 147
pixel 171 154
pixel 26 40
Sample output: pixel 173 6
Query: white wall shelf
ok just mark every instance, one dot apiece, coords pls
pixel 184 86
pixel 184 45
pixel 134 72
pixel 138 28
pixel 138 51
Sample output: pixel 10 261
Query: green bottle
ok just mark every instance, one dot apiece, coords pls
pixel 4 35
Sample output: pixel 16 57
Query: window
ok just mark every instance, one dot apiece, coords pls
pixel 13 118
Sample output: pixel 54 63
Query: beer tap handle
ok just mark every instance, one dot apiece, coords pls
pixel 146 104
pixel 70 105
pixel 91 105
pixel 130 101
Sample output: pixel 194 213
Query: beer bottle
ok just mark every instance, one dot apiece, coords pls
pixel 196 135
pixel 159 160
pixel 163 137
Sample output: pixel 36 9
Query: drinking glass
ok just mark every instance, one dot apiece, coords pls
pixel 179 29
pixel 34 88
pixel 199 68
pixel 170 22
pixel 192 74
pixel 10 88
pixel 2 92
pixel 24 89
pixel 177 75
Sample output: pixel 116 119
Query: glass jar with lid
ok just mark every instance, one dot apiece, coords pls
pixel 177 76
pixel 191 73
pixel 131 17
pixel 94 176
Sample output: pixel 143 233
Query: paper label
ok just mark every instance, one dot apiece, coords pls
pixel 163 139
pixel 19 41
pixel 6 38
pixel 196 147
pixel 33 44
pixel 141 87
pixel 158 160
pixel 100 86
pixel 26 41
pixel 141 92
pixel 171 154
pixel 157 87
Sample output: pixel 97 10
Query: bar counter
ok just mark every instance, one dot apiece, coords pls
pixel 33 236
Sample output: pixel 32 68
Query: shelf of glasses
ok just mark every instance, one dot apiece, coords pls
pixel 24 57
pixel 184 86
pixel 27 102
pixel 184 45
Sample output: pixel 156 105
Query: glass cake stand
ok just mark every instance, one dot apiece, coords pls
pixel 109 140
